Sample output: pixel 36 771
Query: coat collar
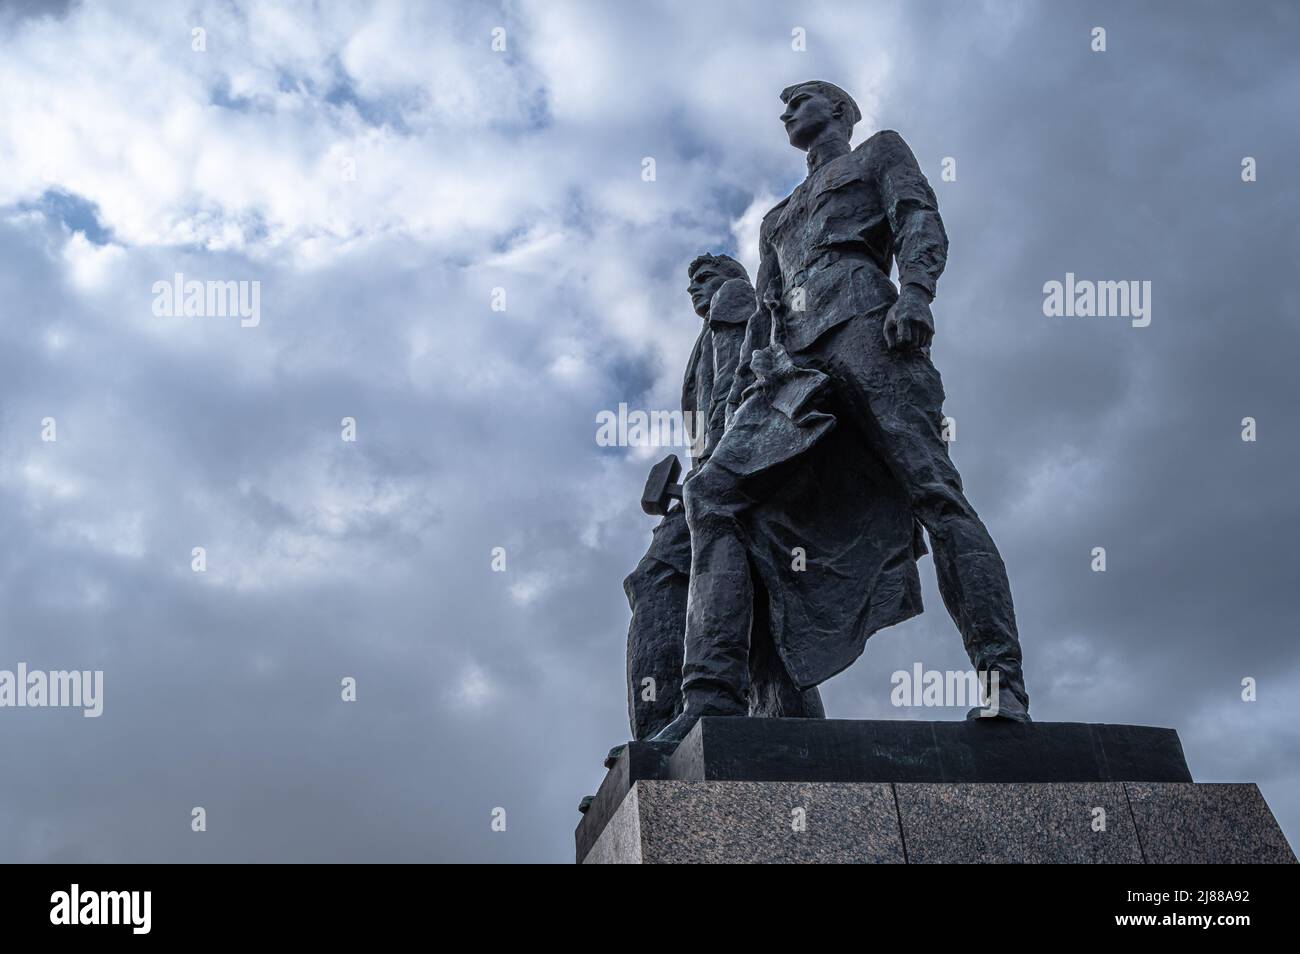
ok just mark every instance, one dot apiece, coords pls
pixel 824 152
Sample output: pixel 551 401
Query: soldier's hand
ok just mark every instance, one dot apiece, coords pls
pixel 909 324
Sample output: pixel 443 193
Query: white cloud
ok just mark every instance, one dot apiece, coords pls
pixel 89 265
pixel 745 230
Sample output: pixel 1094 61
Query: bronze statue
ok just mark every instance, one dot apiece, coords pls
pixel 833 441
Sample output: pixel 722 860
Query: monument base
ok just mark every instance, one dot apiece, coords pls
pixel 836 791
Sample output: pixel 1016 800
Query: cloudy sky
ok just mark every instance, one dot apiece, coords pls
pixel 380 169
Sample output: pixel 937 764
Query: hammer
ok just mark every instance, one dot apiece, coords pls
pixel 661 487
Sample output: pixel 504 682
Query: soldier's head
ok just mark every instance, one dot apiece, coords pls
pixel 816 110
pixel 707 274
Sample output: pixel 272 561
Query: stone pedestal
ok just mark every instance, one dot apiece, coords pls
pixel 793 790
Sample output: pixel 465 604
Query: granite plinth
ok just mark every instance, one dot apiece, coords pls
pixel 677 822
pixel 1207 824
pixel 838 791
pixel 844 750
pixel 1030 823
pixel 742 822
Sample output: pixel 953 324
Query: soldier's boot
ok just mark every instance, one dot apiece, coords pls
pixel 1012 701
pixel 698 705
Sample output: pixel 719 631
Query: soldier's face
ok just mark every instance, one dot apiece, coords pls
pixel 705 283
pixel 807 115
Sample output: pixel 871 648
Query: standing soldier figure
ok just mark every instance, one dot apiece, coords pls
pixel 831 315
pixel 656 590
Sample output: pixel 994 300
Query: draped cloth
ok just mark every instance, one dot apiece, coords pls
pixel 818 490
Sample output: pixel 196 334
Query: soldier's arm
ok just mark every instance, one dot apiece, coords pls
pixel 920 242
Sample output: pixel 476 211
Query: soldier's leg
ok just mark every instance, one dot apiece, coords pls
pixel 656 593
pixel 720 603
pixel 897 400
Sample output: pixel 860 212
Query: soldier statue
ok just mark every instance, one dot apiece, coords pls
pixel 833 441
